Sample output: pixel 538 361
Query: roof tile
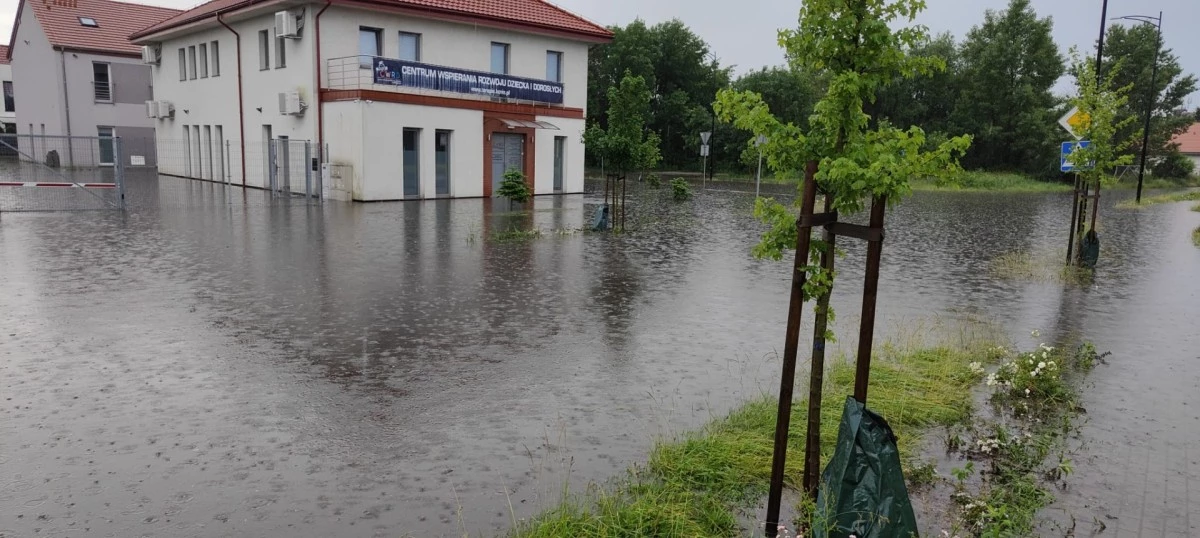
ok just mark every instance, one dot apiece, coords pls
pixel 529 13
pixel 1189 141
pixel 115 21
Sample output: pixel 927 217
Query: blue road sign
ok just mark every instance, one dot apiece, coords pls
pixel 1064 163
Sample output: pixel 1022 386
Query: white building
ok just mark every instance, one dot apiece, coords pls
pixel 412 98
pixel 75 73
pixel 8 114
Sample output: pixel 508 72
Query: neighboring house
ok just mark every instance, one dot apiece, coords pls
pixel 412 98
pixel 1189 144
pixel 77 74
pixel 8 115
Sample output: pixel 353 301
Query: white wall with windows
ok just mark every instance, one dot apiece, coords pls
pixel 198 74
pixel 348 32
pixel 8 110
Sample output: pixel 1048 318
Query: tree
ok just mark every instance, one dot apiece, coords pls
pixel 625 145
pixel 1128 61
pixel 850 43
pixel 926 100
pixel 788 94
pixel 1009 64
pixel 1108 132
pixel 679 72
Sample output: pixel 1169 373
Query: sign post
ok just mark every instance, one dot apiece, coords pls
pixel 704 136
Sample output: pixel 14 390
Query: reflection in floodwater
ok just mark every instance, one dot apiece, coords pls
pixel 214 363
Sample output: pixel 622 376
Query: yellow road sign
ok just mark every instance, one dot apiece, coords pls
pixel 1074 121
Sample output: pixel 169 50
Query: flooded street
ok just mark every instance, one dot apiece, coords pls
pixel 212 363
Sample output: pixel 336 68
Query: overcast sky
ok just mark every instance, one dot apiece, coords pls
pixel 742 32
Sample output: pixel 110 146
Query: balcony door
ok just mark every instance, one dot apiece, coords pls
pixel 508 153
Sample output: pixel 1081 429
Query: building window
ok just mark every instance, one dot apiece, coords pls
pixel 9 104
pixel 370 42
pixel 411 162
pixel 554 66
pixel 280 53
pixel 264 50
pixel 101 82
pixel 203 60
pixel 192 62
pixel 500 58
pixel 182 63
pixel 214 52
pixel 89 22
pixel 105 143
pixel 410 46
pixel 219 142
pixel 187 153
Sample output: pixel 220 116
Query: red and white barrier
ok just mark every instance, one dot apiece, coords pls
pixel 52 184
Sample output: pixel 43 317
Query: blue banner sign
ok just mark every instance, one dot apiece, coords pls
pixel 449 79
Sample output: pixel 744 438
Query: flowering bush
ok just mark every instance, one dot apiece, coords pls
pixel 1036 375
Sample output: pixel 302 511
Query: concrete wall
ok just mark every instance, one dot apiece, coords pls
pixel 459 45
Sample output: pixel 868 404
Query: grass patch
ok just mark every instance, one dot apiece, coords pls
pixel 1196 236
pixel 991 181
pixel 694 485
pixel 517 235
pixel 1021 265
pixel 1188 196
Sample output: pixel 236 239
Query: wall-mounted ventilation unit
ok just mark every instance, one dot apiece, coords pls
pixel 151 109
pixel 151 54
pixel 290 103
pixel 166 109
pixel 288 24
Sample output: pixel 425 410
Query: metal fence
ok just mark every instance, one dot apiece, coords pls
pixel 61 173
pixel 283 166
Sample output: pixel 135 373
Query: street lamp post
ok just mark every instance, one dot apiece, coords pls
pixel 1157 22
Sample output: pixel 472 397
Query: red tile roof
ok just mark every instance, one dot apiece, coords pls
pixel 4 55
pixel 1189 142
pixel 527 14
pixel 115 20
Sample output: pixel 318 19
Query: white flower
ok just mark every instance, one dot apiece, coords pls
pixel 1026 393
pixel 1041 365
pixel 1034 333
pixel 1033 373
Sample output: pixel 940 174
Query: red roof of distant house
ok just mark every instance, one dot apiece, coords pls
pixel 527 14
pixel 1189 142
pixel 60 20
pixel 4 55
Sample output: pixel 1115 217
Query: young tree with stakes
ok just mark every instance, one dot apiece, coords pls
pixel 853 45
pixel 626 145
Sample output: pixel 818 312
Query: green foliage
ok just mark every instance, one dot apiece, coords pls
pixel 927 99
pixel 1174 165
pixel 677 67
pixel 680 189
pixel 1009 65
pixel 1128 61
pixel 1101 104
pixel 1196 236
pixel 854 48
pixel 977 180
pixel 625 145
pixel 1187 196
pixel 653 181
pixel 513 186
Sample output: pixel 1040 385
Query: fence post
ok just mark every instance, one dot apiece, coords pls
pixel 308 171
pixel 271 167
pixel 119 169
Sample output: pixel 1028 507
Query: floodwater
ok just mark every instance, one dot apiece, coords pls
pixel 215 363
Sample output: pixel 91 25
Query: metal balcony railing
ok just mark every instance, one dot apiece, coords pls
pixel 357 73
pixel 102 90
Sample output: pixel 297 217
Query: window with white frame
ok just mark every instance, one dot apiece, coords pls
pixel 182 63
pixel 101 82
pixel 214 52
pixel 192 62
pixel 280 52
pixel 264 50
pixel 370 45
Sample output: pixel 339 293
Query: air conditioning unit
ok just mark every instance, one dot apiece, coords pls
pixel 166 109
pixel 151 54
pixel 151 109
pixel 288 24
pixel 290 103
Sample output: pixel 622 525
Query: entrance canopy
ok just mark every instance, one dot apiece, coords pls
pixel 522 124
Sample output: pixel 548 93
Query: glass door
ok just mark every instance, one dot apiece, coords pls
pixel 107 153
pixel 442 163
pixel 412 163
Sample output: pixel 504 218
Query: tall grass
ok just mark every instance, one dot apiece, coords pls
pixel 695 485
pixel 992 181
pixel 1187 196
pixel 1196 237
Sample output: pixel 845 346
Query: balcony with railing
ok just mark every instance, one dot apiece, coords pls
pixel 102 91
pixel 399 76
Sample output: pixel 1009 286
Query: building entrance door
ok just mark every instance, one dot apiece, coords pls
pixel 508 152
